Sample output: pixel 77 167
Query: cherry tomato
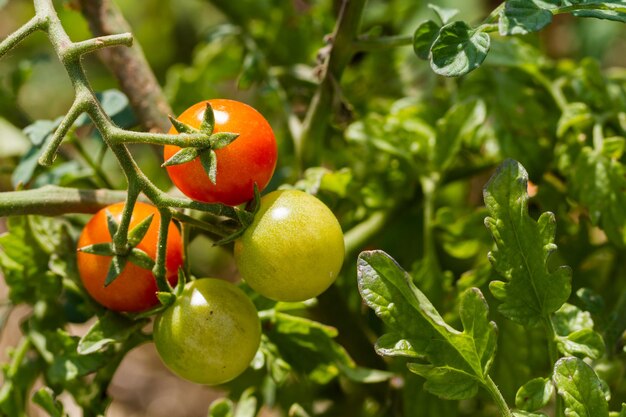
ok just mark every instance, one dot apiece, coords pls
pixel 135 288
pixel 250 159
pixel 210 334
pixel 294 248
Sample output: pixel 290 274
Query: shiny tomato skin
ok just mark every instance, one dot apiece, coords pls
pixel 250 159
pixel 294 248
pixel 135 288
pixel 210 334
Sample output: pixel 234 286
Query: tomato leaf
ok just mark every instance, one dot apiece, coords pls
pixel 575 334
pixel 534 394
pixel 222 139
pixel 102 249
pixel 137 233
pixel 183 156
pixel 108 329
pixel 209 163
pixel 444 14
pixel 182 127
pixel 458 49
pixel 610 10
pixel 580 388
pixel 208 120
pixel 423 38
pixel 458 361
pixel 530 293
pixel 520 17
pixel 118 263
pixel 45 398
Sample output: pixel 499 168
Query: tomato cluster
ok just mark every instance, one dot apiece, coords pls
pixel 292 251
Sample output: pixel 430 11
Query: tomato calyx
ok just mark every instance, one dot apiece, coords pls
pixel 166 299
pixel 245 218
pixel 207 154
pixel 120 257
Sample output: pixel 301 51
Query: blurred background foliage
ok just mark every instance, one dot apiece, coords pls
pixel 379 150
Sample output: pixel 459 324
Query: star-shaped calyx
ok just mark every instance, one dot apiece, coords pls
pixel 207 154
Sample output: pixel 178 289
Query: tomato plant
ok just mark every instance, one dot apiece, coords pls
pixel 249 160
pixel 293 250
pixel 210 334
pixel 135 287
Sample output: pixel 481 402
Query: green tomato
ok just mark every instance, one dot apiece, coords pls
pixel 210 334
pixel 293 250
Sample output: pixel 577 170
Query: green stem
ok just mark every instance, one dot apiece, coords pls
pixel 497 397
pixel 310 142
pixel 183 140
pixel 120 240
pixel 494 16
pixel 159 270
pixel 554 356
pixel 34 24
pixel 360 234
pixel 91 45
pixel 78 107
pixel 53 201
pixel 592 6
pixel 429 186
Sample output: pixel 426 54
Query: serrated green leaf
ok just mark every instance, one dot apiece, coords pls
pixel 459 361
pixel 458 49
pixel 530 293
pixel 182 157
pixel 102 249
pixel 137 233
pixel 575 115
pixel 208 120
pixel 423 38
pixel 460 121
pixel 598 183
pixel 534 394
pixel 45 398
pixel 222 139
pixel 575 334
pixel 520 17
pixel 118 263
pixel 222 407
pixel 443 13
pixel 108 329
pixel 141 259
pixel 182 127
pixel 580 388
pixel 209 163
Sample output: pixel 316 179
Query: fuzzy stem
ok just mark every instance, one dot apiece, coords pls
pixel 49 153
pixel 496 395
pixel 34 24
pixel 159 270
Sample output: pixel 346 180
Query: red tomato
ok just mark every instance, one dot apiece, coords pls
pixel 135 288
pixel 250 159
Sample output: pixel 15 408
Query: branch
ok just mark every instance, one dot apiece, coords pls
pixel 129 65
pixel 34 24
pixel 315 124
pixel 53 201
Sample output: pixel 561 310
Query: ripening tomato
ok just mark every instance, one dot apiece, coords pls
pixel 294 248
pixel 210 334
pixel 250 159
pixel 135 288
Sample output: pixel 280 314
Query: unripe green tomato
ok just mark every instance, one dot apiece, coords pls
pixel 293 250
pixel 210 334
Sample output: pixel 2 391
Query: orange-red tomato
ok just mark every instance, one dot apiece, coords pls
pixel 135 288
pixel 250 159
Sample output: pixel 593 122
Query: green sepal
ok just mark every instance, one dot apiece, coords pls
pixel 222 139
pixel 102 249
pixel 141 259
pixel 183 156
pixel 112 224
pixel 181 127
pixel 138 232
pixel 182 281
pixel 166 298
pixel 208 120
pixel 115 269
pixel 209 163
